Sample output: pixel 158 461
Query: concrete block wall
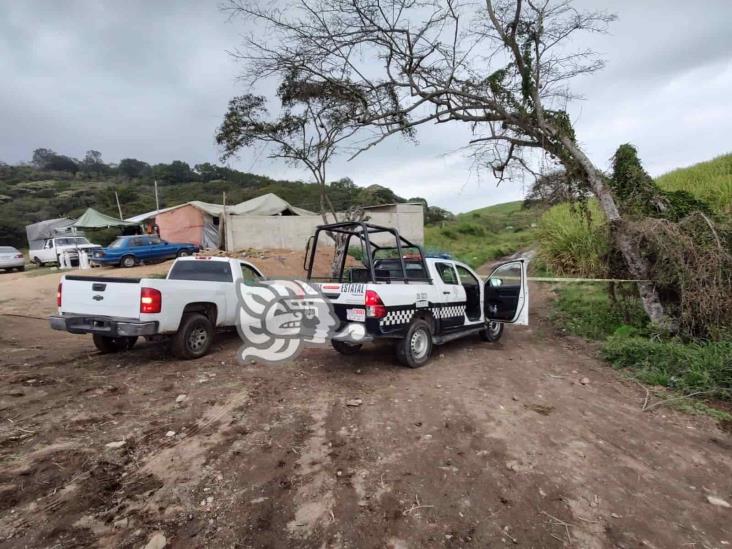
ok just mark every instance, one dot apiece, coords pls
pixel 292 232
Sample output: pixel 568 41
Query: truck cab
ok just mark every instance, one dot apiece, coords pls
pixel 419 302
pixel 53 247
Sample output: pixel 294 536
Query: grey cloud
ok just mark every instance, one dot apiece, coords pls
pixel 152 80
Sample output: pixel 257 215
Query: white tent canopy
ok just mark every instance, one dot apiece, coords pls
pixel 267 204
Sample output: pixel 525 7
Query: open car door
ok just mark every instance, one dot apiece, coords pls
pixel 506 294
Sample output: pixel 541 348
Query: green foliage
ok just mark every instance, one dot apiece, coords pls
pixel 574 241
pixel 709 181
pixel 638 194
pixel 485 234
pixel 28 194
pixel 686 367
pixel 586 310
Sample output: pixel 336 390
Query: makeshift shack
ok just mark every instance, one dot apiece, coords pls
pixel 200 222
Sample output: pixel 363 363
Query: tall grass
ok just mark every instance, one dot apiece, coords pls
pixel 573 242
pixel 709 181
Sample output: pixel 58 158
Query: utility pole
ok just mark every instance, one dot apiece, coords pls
pixel 119 208
pixel 157 204
pixel 222 225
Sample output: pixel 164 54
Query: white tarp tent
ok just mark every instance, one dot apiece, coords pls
pixel 201 222
pixel 38 232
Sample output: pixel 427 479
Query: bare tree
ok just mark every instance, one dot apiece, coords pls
pixel 501 66
pixel 315 120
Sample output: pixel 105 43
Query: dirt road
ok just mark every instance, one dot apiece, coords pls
pixel 489 445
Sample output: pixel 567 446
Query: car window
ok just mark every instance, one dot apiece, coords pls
pixel 153 240
pixel 118 243
pixel 249 274
pixel 48 244
pixel 209 271
pixel 447 273
pixel 138 242
pixel 7 250
pixel 81 240
pixel 64 242
pixel 466 277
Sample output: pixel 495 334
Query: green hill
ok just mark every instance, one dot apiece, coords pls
pixel 487 233
pixel 28 195
pixel 709 181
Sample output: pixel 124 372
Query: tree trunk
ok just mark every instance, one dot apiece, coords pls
pixel 638 266
pixel 338 255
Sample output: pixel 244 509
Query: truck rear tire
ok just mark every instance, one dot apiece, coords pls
pixel 492 332
pixel 127 261
pixel 346 348
pixel 107 344
pixel 415 349
pixel 194 337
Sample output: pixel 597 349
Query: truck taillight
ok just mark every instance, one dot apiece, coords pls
pixel 151 300
pixel 58 295
pixel 374 306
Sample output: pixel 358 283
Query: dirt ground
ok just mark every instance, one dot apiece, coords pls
pixel 488 445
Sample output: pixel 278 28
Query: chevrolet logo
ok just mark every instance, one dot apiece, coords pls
pixel 98 297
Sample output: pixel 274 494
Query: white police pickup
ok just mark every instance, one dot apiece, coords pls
pixel 419 302
pixel 197 296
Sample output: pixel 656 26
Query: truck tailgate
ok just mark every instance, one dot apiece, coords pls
pixel 104 296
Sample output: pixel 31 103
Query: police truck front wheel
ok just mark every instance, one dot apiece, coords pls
pixel 415 349
pixel 492 332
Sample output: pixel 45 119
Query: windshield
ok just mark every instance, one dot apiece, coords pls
pixel 118 243
pixel 71 241
pixel 210 271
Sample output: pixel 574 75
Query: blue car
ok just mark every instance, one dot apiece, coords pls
pixel 127 251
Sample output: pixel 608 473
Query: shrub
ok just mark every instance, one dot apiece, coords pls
pixel 586 310
pixel 688 367
pixel 573 242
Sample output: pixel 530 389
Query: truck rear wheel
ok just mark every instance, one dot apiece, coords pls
pixel 194 337
pixel 107 344
pixel 346 348
pixel 415 349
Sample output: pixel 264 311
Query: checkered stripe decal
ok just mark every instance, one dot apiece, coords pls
pixel 397 317
pixel 404 316
pixel 449 311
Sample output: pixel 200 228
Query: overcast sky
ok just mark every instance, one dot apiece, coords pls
pixel 151 80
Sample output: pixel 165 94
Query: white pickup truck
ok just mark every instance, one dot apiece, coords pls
pixel 52 249
pixel 197 296
pixel 416 301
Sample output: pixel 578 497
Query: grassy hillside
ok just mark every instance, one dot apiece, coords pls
pixel 49 195
pixel 710 181
pixel 488 233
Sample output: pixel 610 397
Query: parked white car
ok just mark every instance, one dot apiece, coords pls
pixel 54 247
pixel 198 296
pixel 10 258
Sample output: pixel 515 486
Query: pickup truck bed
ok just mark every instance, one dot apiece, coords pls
pixel 117 310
